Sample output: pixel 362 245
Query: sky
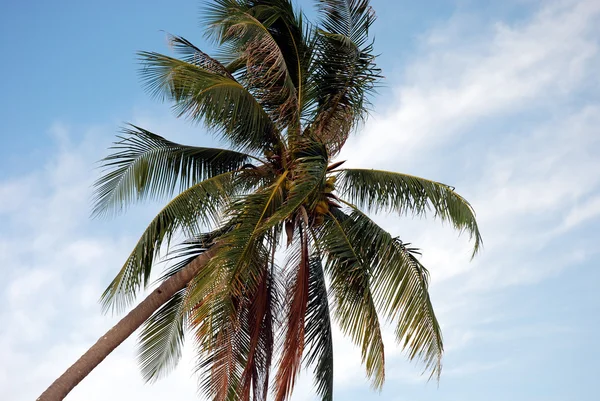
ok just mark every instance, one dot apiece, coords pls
pixel 498 99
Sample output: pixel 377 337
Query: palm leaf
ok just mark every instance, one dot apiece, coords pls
pixel 161 339
pixel 350 283
pixel 304 179
pixel 200 204
pixel 259 316
pixel 297 295
pixel 162 335
pixel 345 72
pixel 264 43
pixel 147 165
pixel 184 253
pixel 378 190
pixel 193 55
pixel 400 286
pixel 222 295
pixel 216 98
pixel 318 337
pixel 245 250
pixel 233 356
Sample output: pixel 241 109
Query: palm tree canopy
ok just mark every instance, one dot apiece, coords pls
pixel 285 94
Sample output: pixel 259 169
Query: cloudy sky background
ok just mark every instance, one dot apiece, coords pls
pixel 501 101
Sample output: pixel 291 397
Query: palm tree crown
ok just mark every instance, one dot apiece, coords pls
pixel 285 94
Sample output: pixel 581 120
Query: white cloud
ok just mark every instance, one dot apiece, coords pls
pixel 55 264
pixel 463 78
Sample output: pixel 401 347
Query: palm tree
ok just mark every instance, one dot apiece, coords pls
pixel 285 95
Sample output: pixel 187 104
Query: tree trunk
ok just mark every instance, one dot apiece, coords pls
pixel 122 330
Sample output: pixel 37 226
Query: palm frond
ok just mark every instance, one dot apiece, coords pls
pixel 221 357
pixel 265 41
pixel 184 253
pixel 378 190
pixel 245 250
pixel 145 165
pixel 162 335
pixel 199 205
pixel 224 330
pixel 297 295
pixel 161 339
pixel 318 336
pixel 260 317
pixel 352 290
pixel 217 99
pixel 345 72
pixel 400 287
pixel 266 73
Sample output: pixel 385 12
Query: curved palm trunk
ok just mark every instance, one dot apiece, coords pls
pixel 122 330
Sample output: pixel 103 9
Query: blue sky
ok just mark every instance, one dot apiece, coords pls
pixel 499 99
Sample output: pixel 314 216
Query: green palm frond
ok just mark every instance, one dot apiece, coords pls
pixel 270 48
pixel 146 165
pixel 199 205
pixel 217 99
pixel 162 335
pixel 219 336
pixel 319 341
pixel 345 73
pixel 405 194
pixel 235 337
pixel 221 358
pixel 400 287
pixel 245 250
pixel 265 72
pixel 355 308
pixel 190 249
pixel 161 339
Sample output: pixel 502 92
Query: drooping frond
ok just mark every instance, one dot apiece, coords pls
pixel 223 297
pixel 215 98
pixel 199 205
pixel 352 291
pixel 222 346
pixel 260 316
pixel 297 296
pixel 146 165
pixel 265 42
pixel 405 194
pixel 345 72
pixel 220 338
pixel 400 287
pixel 161 339
pixel 162 335
pixel 233 356
pixel 318 336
